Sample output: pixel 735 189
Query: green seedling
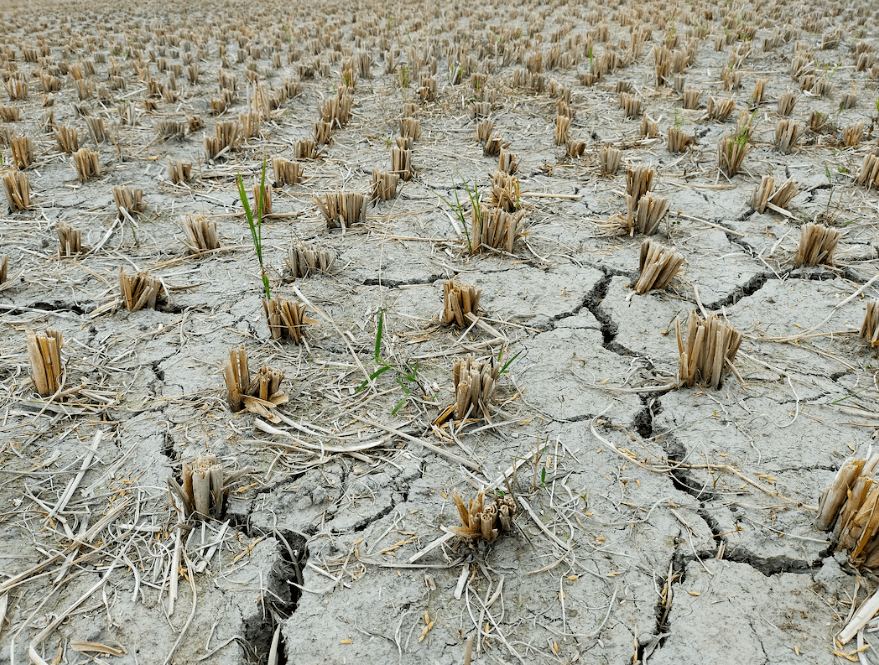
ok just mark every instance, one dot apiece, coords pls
pixel 458 208
pixel 404 377
pixel 255 223
pixel 506 366
pixel 679 121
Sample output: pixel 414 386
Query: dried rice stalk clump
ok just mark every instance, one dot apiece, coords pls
pixel 44 353
pixel 305 149
pixel 342 208
pixel 384 185
pixel 170 129
pixel 609 160
pixel 630 104
pixel 401 163
pixel 475 382
pixel 484 522
pixel 22 152
pixel 286 172
pixel 201 234
pixel 304 259
pixel 562 125
pixel 850 507
pixel 507 162
pixel 639 181
pixel 10 113
pixel 691 98
pixel 786 103
pixel 286 318
pixel 649 128
pixel 323 132
pixel 870 327
pixel 767 196
pixel 70 240
pixel 869 172
pixel 244 392
pixel 645 215
pixel 817 245
pixel 658 265
pixel 410 128
pixel 459 300
pixel 759 89
pixel 493 146
pixel 505 192
pixel 226 139
pixel 853 134
pixel 575 148
pixel 138 291
pixel 179 171
pixel 711 346
pixel 4 269
pixel 678 140
pixel 68 139
pixel 494 228
pixel 205 485
pixel 129 199
pixel 17 188
pixel 87 164
pixel 787 133
pixel 720 110
pixel 731 150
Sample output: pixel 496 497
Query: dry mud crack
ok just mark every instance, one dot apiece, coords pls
pixel 656 523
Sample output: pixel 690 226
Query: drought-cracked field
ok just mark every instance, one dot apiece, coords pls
pixel 478 245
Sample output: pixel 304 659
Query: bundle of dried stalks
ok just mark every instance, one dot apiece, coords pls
pixel 404 142
pixel 22 151
pixel 170 129
pixel 639 181
pixel 131 199
pixel 68 139
pixel 305 149
pixel 817 245
pixel 609 160
pixel 776 199
pixel 787 133
pixel 562 124
pixel 459 300
pixel 869 173
pixel 4 269
pixel 86 162
pixel 401 163
pixel 226 139
pixel 480 110
pixel 818 122
pixel 17 188
pixel 678 140
pixel 475 382
pixel 205 485
pixel 342 208
pixel 384 185
pixel 44 354
pixel 427 89
pixel 179 171
pixel 194 123
pixel 662 64
pixel 720 110
pixel 786 103
pixel 286 172
pixel 138 291
pixel 483 522
pixel 630 104
pixel 658 265
pixel 10 113
pixel 731 79
pixel 304 259
pixel 410 128
pixel 241 389
pixel 850 506
pixel 286 318
pixel 731 150
pixel 493 146
pixel 759 89
pixel 323 132
pixel 248 125
pixel 494 228
pixel 870 326
pixel 848 100
pixel 505 192
pixel 649 128
pixel 201 234
pixel 70 240
pixel 852 134
pixel 575 148
pixel 507 162
pixel 645 214
pixel 711 346
pixel 484 130
pixel 96 128
pixel 691 98
pixel 266 193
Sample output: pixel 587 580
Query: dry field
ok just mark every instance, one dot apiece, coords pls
pixel 438 333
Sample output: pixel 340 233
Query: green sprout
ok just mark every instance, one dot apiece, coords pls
pixel 404 377
pixel 255 222
pixel 458 208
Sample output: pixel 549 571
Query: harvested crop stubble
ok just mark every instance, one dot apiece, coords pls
pixel 475 382
pixel 44 353
pixel 483 522
pixel 712 345
pixel 658 265
pixel 17 188
pixel 286 172
pixel 286 318
pixel 384 185
pixel 304 259
pixel 494 228
pixel 850 507
pixel 817 245
pixel 70 240
pixel 459 300
pixel 204 488
pixel 342 208
pixel 139 291
pixel 179 171
pixel 870 326
pixel 201 234
pixel 128 198
pixel 242 391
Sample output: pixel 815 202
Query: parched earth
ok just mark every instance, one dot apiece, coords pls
pixel 655 522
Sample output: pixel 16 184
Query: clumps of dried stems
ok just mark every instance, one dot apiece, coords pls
pixel 384 185
pixel 870 326
pixel 494 228
pixel 562 124
pixel 342 209
pixel 179 171
pixel 711 347
pixel 205 485
pixel 226 139
pixel 475 382
pixel 44 354
pixel 817 245
pixel 691 98
pixel 819 122
pixel 69 239
pixel 662 64
pixel 459 300
pixel 286 172
pixel 645 214
pixel 410 128
pixel 505 192
pixel 507 162
pixel 766 195
pixel 261 393
pixel 201 234
pixel 17 188
pixel 850 507
pixel 286 318
pixel 574 148
pixel 631 104
pixel 4 269
pixel 22 151
pixel 96 128
pixel 658 265
pixel 678 140
pixel 10 113
pixel 720 110
pixel 128 199
pixel 170 129
pixel 852 135
pixel 731 150
pixel 139 291
pixel 869 172
pixel 787 133
pixel 786 103
pixel 649 128
pixel 304 259
pixel 304 149
pixel 68 139
pixel 848 100
pixel 401 162
pixel 759 90
pixel 87 164
pixel 483 522
pixel 609 160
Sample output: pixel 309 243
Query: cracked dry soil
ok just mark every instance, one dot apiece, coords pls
pixel 667 526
